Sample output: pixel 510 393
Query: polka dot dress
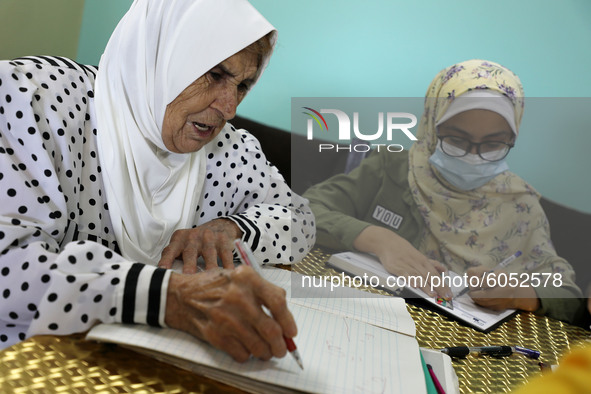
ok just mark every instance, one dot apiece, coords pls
pixel 60 268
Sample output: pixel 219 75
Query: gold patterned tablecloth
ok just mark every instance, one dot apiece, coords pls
pixel 481 374
pixel 70 364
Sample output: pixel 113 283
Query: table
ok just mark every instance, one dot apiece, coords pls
pixel 70 364
pixel 481 374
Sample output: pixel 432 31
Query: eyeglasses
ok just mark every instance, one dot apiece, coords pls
pixel 488 150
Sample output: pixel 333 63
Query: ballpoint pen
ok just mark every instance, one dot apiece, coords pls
pixel 495 351
pixel 464 291
pixel 246 256
pixel 535 354
pixel 502 264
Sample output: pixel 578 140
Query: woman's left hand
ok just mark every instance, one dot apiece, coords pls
pixel 212 240
pixel 502 297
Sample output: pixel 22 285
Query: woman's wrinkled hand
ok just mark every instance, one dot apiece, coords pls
pixel 498 298
pixel 212 240
pixel 400 258
pixel 224 308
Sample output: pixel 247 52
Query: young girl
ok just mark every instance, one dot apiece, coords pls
pixel 457 205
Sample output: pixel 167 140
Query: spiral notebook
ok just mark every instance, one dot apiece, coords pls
pixel 348 345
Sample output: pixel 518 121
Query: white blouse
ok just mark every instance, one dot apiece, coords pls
pixel 60 271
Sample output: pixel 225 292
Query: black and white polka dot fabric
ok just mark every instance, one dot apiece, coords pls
pixel 60 270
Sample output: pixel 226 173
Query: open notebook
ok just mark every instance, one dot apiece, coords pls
pixel 360 344
pixel 463 309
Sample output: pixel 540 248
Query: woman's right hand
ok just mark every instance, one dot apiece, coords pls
pixel 224 308
pixel 400 258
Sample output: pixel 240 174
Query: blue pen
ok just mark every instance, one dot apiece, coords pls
pixel 499 266
pixel 526 352
pixel 507 261
pixel 495 351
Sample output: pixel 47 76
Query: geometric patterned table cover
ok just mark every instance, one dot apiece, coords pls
pixel 69 364
pixel 481 374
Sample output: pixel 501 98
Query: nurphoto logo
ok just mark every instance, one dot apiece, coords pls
pixel 395 124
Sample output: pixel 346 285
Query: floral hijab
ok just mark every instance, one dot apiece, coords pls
pixel 485 225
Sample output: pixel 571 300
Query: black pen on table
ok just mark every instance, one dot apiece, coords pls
pixel 245 255
pixel 495 351
pixel 502 264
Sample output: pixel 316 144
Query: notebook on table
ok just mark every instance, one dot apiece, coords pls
pixel 462 308
pixel 348 345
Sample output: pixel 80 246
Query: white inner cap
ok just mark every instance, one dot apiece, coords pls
pixel 482 99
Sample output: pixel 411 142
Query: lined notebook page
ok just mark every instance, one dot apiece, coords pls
pixel 339 355
pixel 383 311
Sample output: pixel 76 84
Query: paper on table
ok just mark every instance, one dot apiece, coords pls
pixel 340 355
pixel 383 311
pixel 464 308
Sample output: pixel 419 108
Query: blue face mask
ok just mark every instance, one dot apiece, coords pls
pixel 468 172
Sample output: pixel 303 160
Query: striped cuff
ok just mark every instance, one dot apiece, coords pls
pixel 144 295
pixel 252 234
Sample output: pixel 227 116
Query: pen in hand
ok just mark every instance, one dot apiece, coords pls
pixel 507 261
pixel 246 257
pixel 499 266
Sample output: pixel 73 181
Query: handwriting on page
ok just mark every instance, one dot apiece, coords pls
pixel 342 355
pixel 335 348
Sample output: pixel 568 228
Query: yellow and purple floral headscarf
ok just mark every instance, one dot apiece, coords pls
pixel 485 225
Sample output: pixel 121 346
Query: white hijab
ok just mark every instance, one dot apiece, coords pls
pixel 158 49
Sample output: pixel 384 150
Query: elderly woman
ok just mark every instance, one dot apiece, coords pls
pixel 459 206
pixel 108 176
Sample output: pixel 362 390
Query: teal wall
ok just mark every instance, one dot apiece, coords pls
pixel 382 48
pixel 98 22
